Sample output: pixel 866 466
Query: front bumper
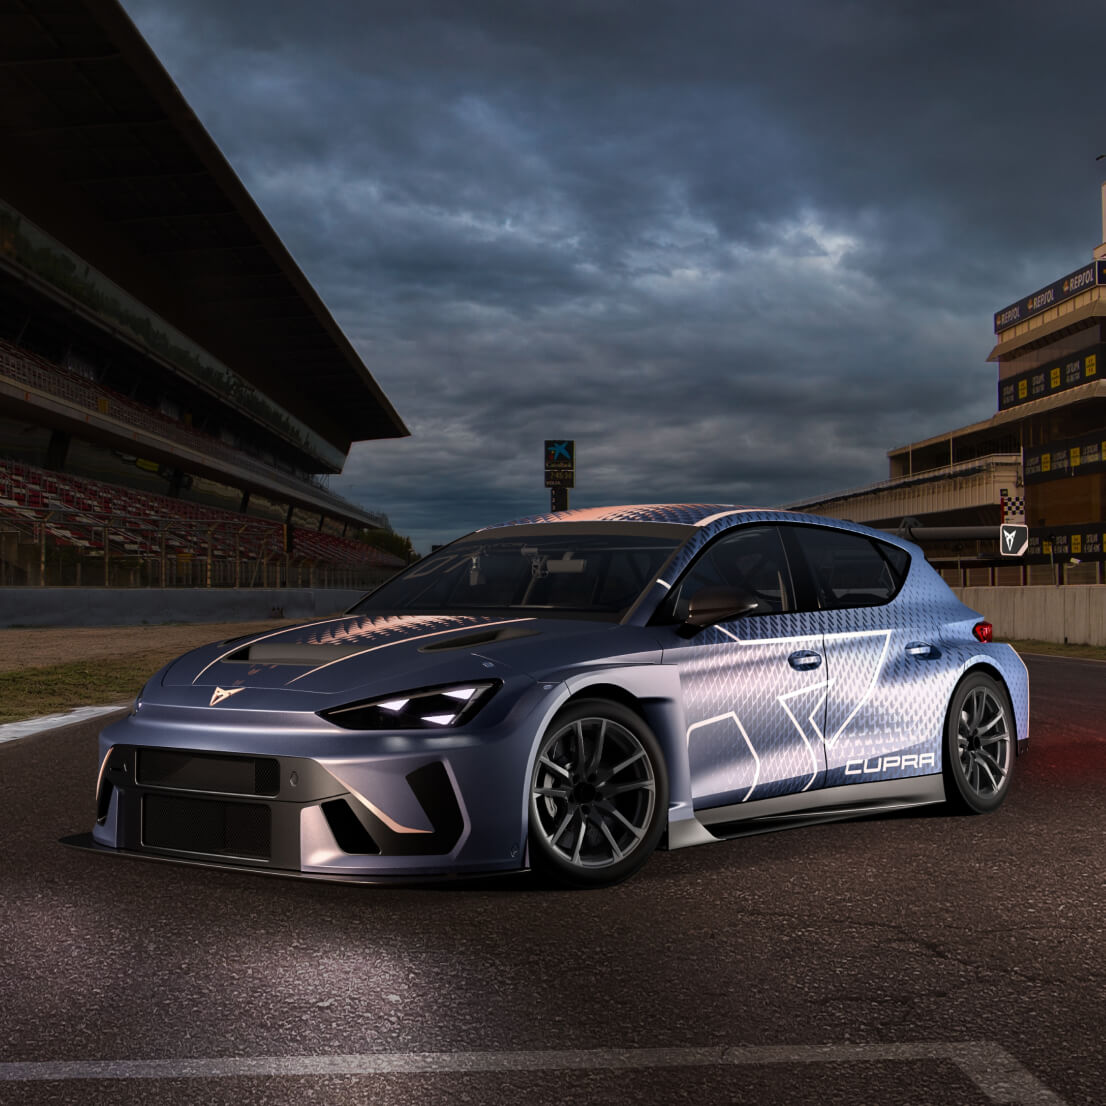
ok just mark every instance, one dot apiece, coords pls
pixel 281 812
pixel 238 792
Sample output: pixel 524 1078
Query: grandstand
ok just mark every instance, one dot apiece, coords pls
pixel 173 392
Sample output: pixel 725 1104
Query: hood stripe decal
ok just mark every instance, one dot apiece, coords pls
pixel 403 641
pixel 467 623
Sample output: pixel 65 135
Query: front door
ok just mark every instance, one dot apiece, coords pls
pixel 754 689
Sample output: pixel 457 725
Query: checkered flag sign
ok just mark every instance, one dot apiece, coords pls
pixel 1013 508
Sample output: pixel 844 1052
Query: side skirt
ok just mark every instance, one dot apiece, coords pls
pixel 832 804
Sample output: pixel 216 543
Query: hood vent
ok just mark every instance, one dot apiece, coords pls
pixel 272 652
pixel 481 637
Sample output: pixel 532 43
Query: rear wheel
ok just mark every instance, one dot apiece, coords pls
pixel 598 795
pixel 979 745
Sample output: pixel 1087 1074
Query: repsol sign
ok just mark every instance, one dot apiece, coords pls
pixel 1056 292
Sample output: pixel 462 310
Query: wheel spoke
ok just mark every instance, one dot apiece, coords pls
pixel 597 755
pixel 638 833
pixel 618 853
pixel 980 706
pixel 563 826
pixel 624 765
pixel 553 792
pixel 579 841
pixel 558 768
pixel 1000 717
pixel 984 768
pixel 989 762
pixel 623 788
pixel 578 760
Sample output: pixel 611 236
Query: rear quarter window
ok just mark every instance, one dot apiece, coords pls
pixel 850 570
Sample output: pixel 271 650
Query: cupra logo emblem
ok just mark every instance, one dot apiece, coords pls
pixel 221 693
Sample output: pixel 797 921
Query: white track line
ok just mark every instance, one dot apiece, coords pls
pixel 13 731
pixel 993 1070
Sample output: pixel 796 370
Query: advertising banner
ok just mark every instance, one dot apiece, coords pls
pixel 1069 372
pixel 1084 542
pixel 1070 457
pixel 1057 292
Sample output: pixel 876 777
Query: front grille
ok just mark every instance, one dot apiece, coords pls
pixel 208 772
pixel 207 826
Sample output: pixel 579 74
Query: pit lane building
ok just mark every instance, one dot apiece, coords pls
pixel 173 391
pixel 1040 459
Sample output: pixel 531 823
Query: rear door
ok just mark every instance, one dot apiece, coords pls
pixel 882 720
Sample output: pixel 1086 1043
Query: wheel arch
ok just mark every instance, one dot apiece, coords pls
pixel 1019 700
pixel 652 691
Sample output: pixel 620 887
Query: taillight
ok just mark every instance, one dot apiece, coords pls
pixel 982 631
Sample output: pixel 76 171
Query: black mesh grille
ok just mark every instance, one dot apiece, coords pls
pixel 206 826
pixel 266 776
pixel 206 772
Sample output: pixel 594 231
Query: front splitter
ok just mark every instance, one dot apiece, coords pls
pixel 85 842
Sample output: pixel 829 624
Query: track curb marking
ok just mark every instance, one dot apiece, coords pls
pixel 993 1070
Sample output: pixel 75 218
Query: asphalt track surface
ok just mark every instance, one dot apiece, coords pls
pixel 915 958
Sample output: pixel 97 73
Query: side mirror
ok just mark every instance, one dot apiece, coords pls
pixel 715 604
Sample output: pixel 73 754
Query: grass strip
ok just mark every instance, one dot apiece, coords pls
pixel 51 689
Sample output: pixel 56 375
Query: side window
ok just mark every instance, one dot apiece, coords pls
pixel 850 570
pixel 750 558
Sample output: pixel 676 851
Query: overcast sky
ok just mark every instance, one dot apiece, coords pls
pixel 736 250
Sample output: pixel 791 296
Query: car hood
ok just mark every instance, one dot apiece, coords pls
pixel 387 653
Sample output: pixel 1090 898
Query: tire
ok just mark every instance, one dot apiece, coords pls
pixel 980 739
pixel 598 798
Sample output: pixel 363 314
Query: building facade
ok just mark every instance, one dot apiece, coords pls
pixel 1039 460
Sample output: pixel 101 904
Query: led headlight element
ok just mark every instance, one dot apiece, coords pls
pixel 427 709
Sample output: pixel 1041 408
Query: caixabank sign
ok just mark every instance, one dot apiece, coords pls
pixel 1058 291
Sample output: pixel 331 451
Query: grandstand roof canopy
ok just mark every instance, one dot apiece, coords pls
pixel 100 149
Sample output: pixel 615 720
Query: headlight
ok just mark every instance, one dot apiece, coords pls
pixel 431 708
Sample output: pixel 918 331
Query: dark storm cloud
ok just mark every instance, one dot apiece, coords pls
pixel 737 251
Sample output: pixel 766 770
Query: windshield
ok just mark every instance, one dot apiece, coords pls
pixel 587 575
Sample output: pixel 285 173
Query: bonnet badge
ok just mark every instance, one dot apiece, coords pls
pixel 221 693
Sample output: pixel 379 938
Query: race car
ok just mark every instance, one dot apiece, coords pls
pixel 567 692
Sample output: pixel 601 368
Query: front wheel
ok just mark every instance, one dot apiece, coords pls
pixel 598 795
pixel 979 745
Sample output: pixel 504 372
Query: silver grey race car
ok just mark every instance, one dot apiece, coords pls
pixel 567 692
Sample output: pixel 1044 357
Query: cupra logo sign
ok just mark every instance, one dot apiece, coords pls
pixel 221 693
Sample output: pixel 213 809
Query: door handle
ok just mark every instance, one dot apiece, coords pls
pixel 919 649
pixel 804 659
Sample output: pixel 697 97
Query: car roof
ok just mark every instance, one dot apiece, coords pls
pixel 706 519
pixel 687 514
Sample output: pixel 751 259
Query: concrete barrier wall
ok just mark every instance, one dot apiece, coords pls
pixel 21 606
pixel 1075 614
